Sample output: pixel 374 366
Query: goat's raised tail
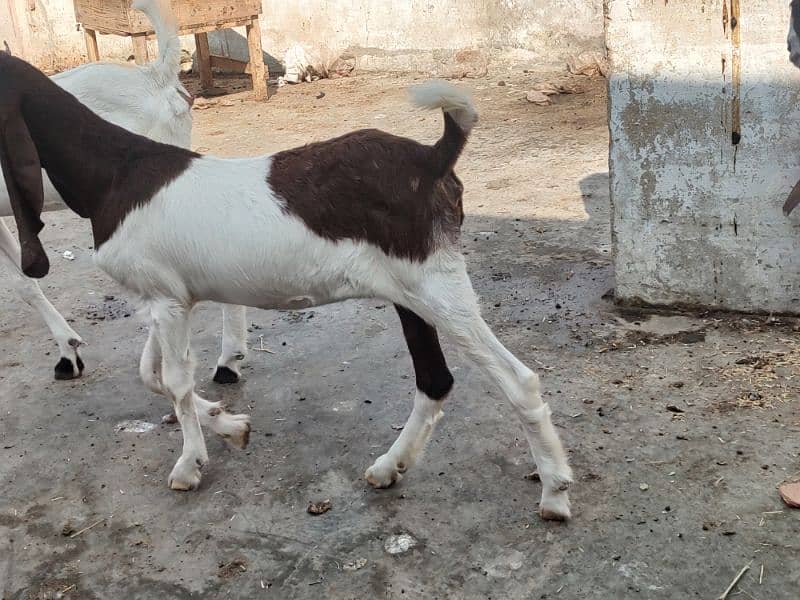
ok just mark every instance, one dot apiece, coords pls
pixel 169 45
pixel 459 118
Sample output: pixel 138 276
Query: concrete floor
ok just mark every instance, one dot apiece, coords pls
pixel 667 504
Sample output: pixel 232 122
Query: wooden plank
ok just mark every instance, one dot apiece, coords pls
pixel 116 16
pixel 205 28
pixel 190 13
pixel 140 49
pixel 100 15
pixel 91 44
pixel 257 66
pixel 230 65
pixel 204 60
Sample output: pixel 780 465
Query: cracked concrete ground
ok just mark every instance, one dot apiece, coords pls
pixel 679 427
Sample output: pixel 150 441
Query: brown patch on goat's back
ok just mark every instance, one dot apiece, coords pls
pixel 373 187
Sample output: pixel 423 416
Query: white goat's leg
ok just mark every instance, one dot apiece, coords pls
pixel 69 365
pixel 171 325
pixel 150 364
pixel 235 429
pixel 448 301
pixel 434 382
pixel 234 344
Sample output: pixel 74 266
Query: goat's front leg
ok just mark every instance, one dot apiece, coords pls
pixel 172 332
pixel 69 365
pixel 234 344
pixel 234 429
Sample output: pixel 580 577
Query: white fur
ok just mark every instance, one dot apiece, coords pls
pixel 440 94
pixel 151 101
pixel 409 445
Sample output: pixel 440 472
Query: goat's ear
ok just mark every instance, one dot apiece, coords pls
pixel 23 175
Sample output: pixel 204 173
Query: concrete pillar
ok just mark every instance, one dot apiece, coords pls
pixel 704 120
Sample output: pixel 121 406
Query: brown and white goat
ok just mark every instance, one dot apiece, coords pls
pixel 367 214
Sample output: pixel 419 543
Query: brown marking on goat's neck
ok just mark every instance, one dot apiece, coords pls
pixel 373 187
pixel 101 171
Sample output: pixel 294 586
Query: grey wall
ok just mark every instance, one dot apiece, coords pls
pixel 696 218
pixel 384 34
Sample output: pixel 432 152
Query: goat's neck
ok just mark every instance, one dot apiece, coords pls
pixel 101 171
pixel 81 154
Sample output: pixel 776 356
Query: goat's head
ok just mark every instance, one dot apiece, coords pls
pixel 19 159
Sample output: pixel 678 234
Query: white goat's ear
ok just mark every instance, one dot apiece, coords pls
pixel 23 175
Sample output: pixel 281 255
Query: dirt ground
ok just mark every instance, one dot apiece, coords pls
pixel 679 427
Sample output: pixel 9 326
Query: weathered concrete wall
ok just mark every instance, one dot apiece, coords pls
pixel 384 34
pixel 705 146
pixel 390 34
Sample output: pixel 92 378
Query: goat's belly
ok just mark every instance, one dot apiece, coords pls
pixel 279 302
pixel 268 295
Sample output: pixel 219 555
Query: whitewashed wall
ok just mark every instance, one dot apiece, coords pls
pixel 696 218
pixel 384 34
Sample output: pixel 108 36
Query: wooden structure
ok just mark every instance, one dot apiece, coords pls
pixel 196 17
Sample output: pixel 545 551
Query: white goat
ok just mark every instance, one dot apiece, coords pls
pixel 148 100
pixel 368 214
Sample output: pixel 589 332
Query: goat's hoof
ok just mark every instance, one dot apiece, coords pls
pixel 66 369
pixel 554 506
pixel 385 472
pixel 225 375
pixel 236 430
pixel 185 475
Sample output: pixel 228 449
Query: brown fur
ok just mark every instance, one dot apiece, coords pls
pixel 101 171
pixel 430 367
pixel 374 187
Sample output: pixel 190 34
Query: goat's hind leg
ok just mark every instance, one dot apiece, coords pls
pixel 69 364
pixel 235 429
pixel 234 344
pixel 448 301
pixel 434 382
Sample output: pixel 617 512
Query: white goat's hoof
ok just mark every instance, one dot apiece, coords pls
pixel 234 428
pixel 555 506
pixel 185 474
pixel 385 472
